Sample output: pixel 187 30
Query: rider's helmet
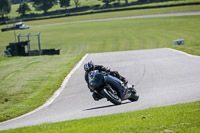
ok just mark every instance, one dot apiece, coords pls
pixel 89 66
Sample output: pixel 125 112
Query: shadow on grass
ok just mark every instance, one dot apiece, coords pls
pixel 107 106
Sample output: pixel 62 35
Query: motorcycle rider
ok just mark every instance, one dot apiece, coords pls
pixel 90 66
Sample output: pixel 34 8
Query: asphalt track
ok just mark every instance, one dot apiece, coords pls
pixel 161 77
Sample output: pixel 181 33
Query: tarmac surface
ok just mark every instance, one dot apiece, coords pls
pixel 161 77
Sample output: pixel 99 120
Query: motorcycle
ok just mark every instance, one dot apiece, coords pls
pixel 111 88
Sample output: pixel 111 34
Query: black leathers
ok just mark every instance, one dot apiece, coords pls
pixel 107 70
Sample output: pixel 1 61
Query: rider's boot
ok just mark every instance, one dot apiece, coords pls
pixel 133 90
pixel 96 96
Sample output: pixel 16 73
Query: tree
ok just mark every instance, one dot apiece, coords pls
pixel 64 3
pixel 145 1
pixel 126 1
pixel 77 3
pixel 23 8
pixel 43 5
pixel 5 7
pixel 16 1
pixel 107 2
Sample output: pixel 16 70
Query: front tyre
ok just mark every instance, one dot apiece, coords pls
pixel 111 95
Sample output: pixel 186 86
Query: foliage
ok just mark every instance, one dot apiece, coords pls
pixel 77 3
pixel 43 5
pixel 126 1
pixel 23 8
pixel 5 7
pixel 16 1
pixel 64 3
pixel 107 2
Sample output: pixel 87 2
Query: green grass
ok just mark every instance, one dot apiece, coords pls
pixel 28 81
pixel 191 8
pixel 14 14
pixel 182 118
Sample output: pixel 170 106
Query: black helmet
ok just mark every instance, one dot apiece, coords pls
pixel 89 66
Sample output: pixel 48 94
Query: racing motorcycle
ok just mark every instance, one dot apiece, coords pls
pixel 111 88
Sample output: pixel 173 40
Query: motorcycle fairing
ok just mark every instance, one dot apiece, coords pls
pixel 96 79
pixel 115 84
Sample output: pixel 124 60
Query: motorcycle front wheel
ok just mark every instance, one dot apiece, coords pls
pixel 111 95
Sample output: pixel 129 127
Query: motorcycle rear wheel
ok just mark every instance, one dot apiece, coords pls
pixel 108 93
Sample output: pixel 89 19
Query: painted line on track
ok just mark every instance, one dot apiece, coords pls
pixel 196 56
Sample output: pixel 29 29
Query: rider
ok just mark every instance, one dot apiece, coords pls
pixel 90 66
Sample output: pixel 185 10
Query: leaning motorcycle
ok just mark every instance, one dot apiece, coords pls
pixel 111 88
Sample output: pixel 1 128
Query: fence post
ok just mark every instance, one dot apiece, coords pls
pixel 39 43
pixel 18 37
pixel 28 37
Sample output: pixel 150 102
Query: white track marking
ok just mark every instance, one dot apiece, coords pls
pixel 183 53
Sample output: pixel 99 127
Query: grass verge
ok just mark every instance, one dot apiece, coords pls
pixel 175 118
pixel 30 82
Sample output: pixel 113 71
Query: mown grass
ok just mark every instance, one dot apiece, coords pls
pixel 191 8
pixel 26 82
pixel 182 118
pixel 83 3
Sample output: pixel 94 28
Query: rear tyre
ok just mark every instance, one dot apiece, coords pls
pixel 111 95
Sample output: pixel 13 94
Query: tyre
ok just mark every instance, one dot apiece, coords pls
pixel 111 95
pixel 133 97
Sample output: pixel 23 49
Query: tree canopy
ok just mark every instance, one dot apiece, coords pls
pixel 23 8
pixel 77 3
pixel 5 7
pixel 126 1
pixel 43 5
pixel 64 3
pixel 107 2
